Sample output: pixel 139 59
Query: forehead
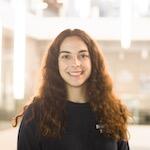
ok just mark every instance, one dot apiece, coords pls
pixel 73 44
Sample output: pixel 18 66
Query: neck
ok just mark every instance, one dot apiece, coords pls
pixel 76 94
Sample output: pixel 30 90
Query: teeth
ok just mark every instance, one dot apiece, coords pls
pixel 75 73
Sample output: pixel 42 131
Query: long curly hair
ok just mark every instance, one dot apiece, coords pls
pixel 48 105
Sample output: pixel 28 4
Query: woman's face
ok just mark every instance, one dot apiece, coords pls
pixel 74 62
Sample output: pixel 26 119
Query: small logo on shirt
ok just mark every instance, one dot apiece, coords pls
pixel 100 128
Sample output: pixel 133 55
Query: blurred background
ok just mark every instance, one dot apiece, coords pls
pixel 122 27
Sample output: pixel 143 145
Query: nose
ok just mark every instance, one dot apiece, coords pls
pixel 76 61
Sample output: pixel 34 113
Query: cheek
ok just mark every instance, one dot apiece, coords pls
pixel 61 67
pixel 89 68
pixel 88 65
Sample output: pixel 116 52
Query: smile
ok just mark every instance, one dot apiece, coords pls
pixel 75 73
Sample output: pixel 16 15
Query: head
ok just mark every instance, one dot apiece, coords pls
pixel 73 59
pixel 74 62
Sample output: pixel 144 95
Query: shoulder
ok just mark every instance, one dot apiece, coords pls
pixel 123 145
pixel 31 113
pixel 28 134
pixel 30 119
pixel 29 125
pixel 28 113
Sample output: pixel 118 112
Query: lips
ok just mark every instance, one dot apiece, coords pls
pixel 75 73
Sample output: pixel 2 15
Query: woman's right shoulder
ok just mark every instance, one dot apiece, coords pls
pixel 29 116
pixel 29 124
pixel 28 129
pixel 28 112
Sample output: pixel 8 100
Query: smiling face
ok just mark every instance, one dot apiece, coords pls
pixel 74 62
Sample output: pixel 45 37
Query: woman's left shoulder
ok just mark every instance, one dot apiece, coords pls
pixel 123 145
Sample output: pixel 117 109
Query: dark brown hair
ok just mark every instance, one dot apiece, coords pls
pixel 48 105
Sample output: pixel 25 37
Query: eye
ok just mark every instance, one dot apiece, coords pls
pixel 84 55
pixel 66 56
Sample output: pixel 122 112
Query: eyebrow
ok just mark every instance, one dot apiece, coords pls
pixel 81 51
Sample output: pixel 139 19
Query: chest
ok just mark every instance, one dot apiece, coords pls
pixel 74 139
pixel 80 134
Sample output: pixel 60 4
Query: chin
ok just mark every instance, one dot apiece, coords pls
pixel 75 85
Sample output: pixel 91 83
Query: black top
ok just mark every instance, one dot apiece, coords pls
pixel 81 133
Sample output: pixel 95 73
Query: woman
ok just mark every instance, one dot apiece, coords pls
pixel 75 108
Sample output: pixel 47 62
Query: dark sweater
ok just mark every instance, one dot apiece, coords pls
pixel 81 133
